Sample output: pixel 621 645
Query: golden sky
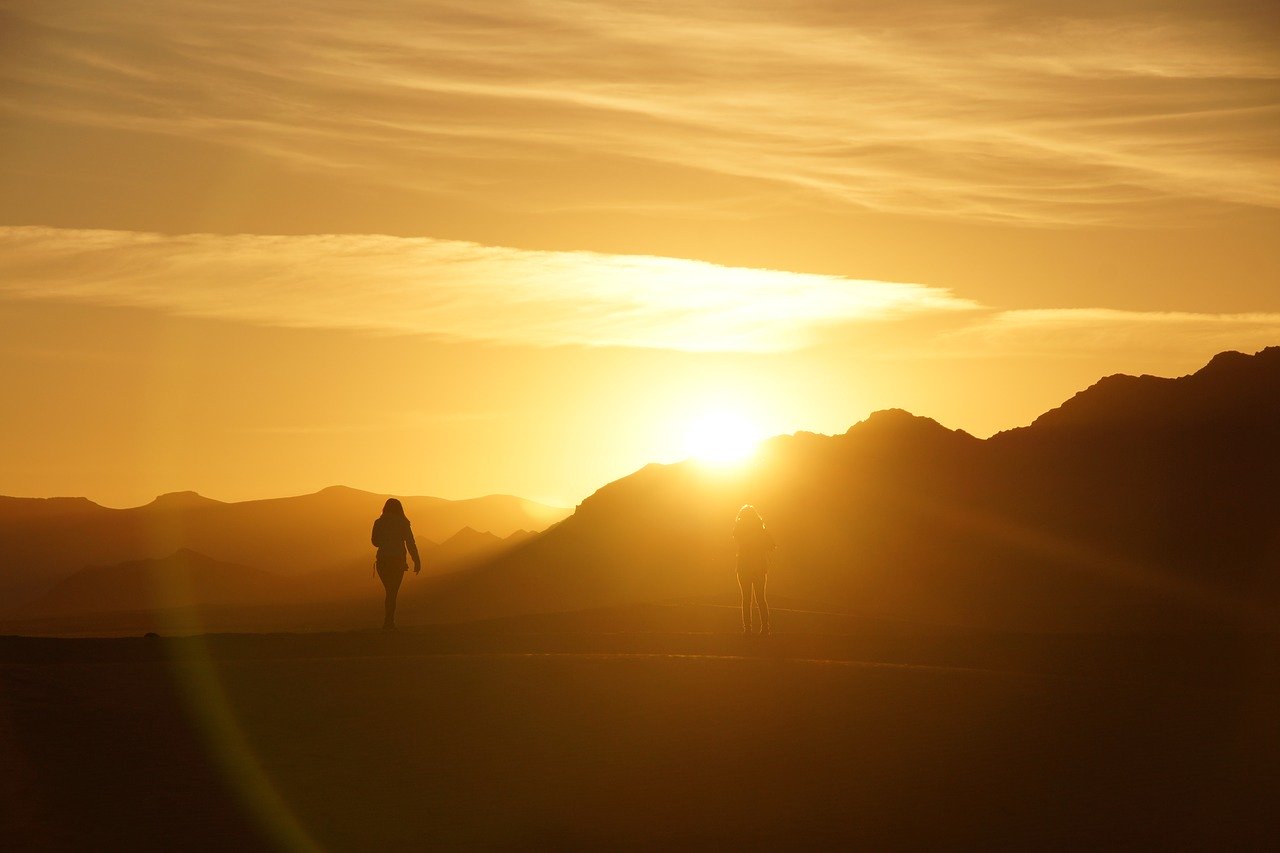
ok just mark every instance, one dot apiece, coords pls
pixel 456 248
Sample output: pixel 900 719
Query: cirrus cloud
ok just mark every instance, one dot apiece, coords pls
pixel 458 291
pixel 451 289
pixel 1080 113
pixel 1087 331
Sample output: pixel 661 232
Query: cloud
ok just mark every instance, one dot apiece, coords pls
pixel 1079 113
pixel 1090 331
pixel 458 291
pixel 451 290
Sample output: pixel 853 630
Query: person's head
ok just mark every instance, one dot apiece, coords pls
pixel 749 515
pixel 393 507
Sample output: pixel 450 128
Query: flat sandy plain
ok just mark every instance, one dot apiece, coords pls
pixel 645 727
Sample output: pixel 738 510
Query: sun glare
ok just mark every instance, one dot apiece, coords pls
pixel 721 438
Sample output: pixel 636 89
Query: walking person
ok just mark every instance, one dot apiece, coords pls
pixel 754 545
pixel 392 536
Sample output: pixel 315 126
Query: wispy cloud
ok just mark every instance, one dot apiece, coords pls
pixel 451 289
pixel 1091 112
pixel 1091 331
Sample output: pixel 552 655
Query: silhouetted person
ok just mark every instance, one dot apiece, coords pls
pixel 392 535
pixel 754 545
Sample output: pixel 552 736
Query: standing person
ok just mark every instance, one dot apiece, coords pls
pixel 754 545
pixel 391 536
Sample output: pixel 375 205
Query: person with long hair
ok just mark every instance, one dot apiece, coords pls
pixel 392 536
pixel 754 545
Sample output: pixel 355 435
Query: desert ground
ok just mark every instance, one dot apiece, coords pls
pixel 641 727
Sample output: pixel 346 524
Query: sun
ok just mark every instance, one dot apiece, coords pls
pixel 721 438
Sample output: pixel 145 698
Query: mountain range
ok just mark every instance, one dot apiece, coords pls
pixel 1140 502
pixel 44 541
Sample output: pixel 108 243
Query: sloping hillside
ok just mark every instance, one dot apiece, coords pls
pixel 1141 501
pixel 45 540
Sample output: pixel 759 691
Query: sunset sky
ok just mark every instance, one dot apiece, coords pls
pixel 457 248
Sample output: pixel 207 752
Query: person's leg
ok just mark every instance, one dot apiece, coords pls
pixel 758 583
pixel 744 584
pixel 391 580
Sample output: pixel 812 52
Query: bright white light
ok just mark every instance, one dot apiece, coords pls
pixel 721 438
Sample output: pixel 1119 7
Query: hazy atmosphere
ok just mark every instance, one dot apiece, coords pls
pixel 634 425
pixel 427 247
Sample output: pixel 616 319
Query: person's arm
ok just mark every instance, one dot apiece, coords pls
pixel 413 547
pixel 373 537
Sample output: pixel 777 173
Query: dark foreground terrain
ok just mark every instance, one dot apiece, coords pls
pixel 646 727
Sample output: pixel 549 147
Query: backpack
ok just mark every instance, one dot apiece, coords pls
pixel 385 534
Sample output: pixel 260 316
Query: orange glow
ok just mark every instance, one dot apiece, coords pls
pixel 524 250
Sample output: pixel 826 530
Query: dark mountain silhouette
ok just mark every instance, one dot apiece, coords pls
pixel 182 579
pixel 1140 502
pixel 45 540
pixel 187 591
pixel 466 546
pixel 183 501
pixel 519 536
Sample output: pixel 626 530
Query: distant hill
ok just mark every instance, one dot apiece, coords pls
pixel 466 546
pixel 182 579
pixel 45 540
pixel 1140 502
